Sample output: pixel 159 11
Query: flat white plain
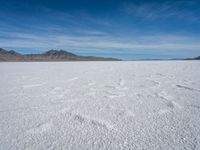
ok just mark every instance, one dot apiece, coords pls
pixel 100 105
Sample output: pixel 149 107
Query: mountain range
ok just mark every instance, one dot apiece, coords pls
pixel 59 55
pixel 51 55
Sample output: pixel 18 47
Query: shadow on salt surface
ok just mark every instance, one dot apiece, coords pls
pixel 169 103
pixel 173 104
pixel 187 88
pixel 99 123
pixel 121 82
pixel 41 128
pixel 194 106
pixel 85 119
pixel 116 91
pixel 103 124
pixel 148 83
pixel 160 74
pixel 120 112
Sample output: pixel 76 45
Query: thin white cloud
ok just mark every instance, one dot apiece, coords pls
pixel 102 44
pixel 165 10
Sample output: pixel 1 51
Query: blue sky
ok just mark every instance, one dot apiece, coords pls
pixel 127 29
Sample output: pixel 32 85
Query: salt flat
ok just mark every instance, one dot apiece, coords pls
pixel 100 105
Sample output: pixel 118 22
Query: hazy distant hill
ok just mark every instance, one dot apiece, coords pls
pixel 10 55
pixel 195 58
pixel 52 55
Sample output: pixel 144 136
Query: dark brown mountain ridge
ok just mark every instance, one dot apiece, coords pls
pixel 51 55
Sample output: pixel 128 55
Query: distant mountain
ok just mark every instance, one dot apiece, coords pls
pixel 195 58
pixel 51 55
pixel 10 55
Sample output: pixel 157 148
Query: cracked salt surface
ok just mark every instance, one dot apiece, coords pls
pixel 100 105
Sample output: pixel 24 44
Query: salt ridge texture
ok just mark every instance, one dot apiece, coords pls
pixel 100 105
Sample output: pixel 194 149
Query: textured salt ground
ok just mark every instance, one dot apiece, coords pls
pixel 100 105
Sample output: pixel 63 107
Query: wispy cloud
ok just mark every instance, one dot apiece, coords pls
pixel 103 44
pixel 165 10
